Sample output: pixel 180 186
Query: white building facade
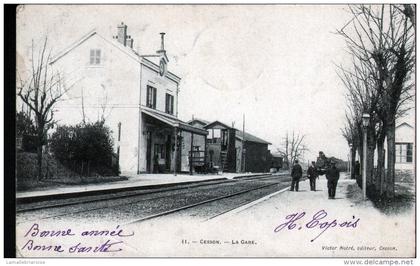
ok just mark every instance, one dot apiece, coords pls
pixel 404 152
pixel 135 95
pixel 404 147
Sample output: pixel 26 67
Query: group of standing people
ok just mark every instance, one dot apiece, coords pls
pixel 332 174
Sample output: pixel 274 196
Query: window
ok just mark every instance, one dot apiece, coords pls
pixel 159 151
pixel 95 56
pixel 404 152
pixel 151 97
pixel 169 104
pixel 215 135
pixel 409 152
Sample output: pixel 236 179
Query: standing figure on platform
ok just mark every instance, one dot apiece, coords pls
pixel 312 175
pixel 321 163
pixel 333 174
pixel 296 176
pixel 357 170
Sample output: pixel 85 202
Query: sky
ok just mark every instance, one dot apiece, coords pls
pixel 275 64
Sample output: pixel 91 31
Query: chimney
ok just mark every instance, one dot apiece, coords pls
pixel 162 44
pixel 122 33
pixel 129 42
pixel 162 41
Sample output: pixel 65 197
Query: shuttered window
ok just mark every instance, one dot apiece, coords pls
pixel 169 104
pixel 95 57
pixel 151 97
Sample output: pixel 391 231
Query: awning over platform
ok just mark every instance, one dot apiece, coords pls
pixel 172 121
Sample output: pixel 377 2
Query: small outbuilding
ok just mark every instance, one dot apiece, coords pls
pixel 231 150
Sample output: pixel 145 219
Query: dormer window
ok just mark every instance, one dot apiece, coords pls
pixel 95 56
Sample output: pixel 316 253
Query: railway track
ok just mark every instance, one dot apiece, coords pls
pixel 134 198
pixel 28 207
pixel 197 204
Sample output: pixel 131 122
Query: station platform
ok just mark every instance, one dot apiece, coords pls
pixel 141 181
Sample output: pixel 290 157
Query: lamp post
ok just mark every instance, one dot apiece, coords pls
pixel 351 160
pixel 365 122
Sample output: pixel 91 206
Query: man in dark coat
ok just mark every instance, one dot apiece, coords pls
pixel 296 175
pixel 333 174
pixel 312 175
pixel 356 169
pixel 357 173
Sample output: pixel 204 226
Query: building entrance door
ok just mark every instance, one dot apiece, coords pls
pixel 168 150
pixel 149 152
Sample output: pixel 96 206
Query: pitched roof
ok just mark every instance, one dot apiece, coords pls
pixel 202 121
pixel 216 123
pixel 404 123
pixel 124 49
pixel 248 137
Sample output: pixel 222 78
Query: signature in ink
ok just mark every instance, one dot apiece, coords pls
pixel 318 221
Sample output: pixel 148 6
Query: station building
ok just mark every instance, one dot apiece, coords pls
pixel 135 94
pixel 232 150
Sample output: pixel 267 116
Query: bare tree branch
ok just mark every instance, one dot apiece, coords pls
pixel 40 92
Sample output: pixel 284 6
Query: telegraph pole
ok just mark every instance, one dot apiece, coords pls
pixel 176 150
pixel 365 123
pixel 119 143
pixel 243 144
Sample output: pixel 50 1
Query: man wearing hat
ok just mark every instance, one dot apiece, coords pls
pixel 296 176
pixel 312 175
pixel 332 174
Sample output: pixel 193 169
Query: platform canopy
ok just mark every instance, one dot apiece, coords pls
pixel 172 121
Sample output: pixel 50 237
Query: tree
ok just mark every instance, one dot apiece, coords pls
pixel 293 148
pixel 40 92
pixel 350 132
pixel 361 98
pixel 84 147
pixel 381 42
pixel 24 125
pixel 25 131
